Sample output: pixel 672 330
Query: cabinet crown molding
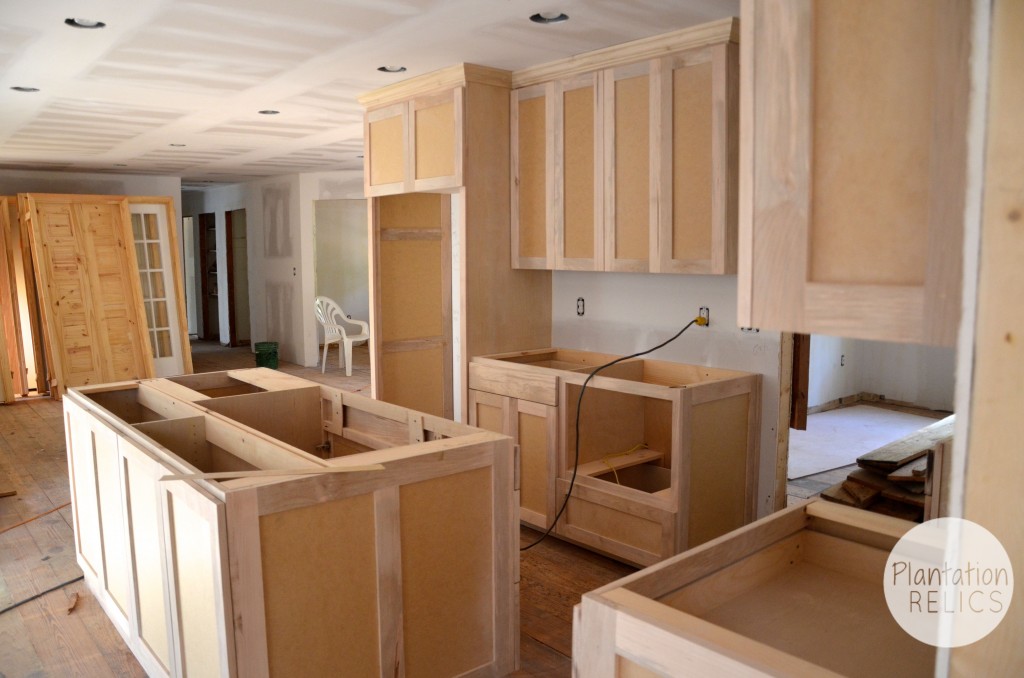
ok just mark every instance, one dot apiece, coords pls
pixel 446 78
pixel 724 30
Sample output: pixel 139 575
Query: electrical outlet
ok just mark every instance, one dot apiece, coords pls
pixel 579 306
pixel 705 315
pixel 842 360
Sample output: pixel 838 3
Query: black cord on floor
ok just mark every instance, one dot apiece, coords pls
pixel 40 595
pixel 579 404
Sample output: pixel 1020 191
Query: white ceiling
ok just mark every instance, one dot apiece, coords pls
pixel 196 73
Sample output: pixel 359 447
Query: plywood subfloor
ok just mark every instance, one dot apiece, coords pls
pixel 42 640
pixel 837 437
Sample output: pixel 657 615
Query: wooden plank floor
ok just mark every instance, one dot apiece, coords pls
pixel 41 639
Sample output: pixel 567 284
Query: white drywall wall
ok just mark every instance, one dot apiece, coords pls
pixel 910 373
pixel 628 312
pixel 280 217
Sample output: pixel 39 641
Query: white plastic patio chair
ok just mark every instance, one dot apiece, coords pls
pixel 333 320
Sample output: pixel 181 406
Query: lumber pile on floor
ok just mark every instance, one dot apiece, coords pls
pixel 903 478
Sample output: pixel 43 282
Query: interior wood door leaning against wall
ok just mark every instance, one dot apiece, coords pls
pixel 411 314
pixel 92 309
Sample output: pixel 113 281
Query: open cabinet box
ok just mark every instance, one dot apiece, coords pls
pixel 410 563
pixel 667 457
pixel 669 452
pixel 798 593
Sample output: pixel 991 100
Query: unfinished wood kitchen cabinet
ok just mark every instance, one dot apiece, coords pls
pixel 488 307
pixel 852 210
pixel 796 593
pixel 629 210
pixel 668 452
pixel 557 214
pixel 695 134
pixel 532 143
pixel 638 159
pixel 352 537
pixel 415 145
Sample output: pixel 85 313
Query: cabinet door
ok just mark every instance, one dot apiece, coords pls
pixel 627 168
pixel 387 150
pixel 196 548
pixel 577 208
pixel 695 139
pixel 853 163
pixel 532 177
pixel 152 626
pixel 534 428
pixel 436 140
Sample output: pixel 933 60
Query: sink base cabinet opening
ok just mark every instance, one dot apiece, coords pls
pixel 660 469
pixel 669 452
pixel 407 567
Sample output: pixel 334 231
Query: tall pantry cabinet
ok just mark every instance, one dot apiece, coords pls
pixel 437 175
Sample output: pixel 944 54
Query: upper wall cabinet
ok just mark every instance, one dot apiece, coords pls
pixel 625 160
pixel 415 145
pixel 853 167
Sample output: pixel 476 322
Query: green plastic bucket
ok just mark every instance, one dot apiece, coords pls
pixel 266 354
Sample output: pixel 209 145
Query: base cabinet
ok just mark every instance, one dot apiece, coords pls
pixel 668 453
pixel 351 538
pixel 796 594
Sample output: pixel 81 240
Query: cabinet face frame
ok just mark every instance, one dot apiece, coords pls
pixel 724 100
pixel 647 225
pixel 547 210
pixel 776 289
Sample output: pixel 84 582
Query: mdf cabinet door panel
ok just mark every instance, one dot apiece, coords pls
pixel 695 138
pixel 386 149
pixel 577 207
pixel 436 129
pixel 628 198
pixel 532 166
pixel 853 167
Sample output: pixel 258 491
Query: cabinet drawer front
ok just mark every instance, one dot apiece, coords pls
pixel 538 388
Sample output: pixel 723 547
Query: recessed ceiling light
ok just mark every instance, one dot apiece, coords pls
pixel 177 145
pixel 549 17
pixel 391 69
pixel 269 111
pixel 84 23
pixel 25 89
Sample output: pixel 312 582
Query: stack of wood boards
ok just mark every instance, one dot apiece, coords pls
pixel 901 479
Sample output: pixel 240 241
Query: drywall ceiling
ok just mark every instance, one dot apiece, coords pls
pixel 173 87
